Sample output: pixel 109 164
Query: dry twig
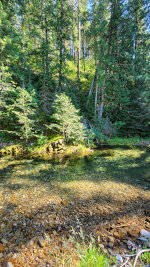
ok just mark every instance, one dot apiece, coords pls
pixel 139 253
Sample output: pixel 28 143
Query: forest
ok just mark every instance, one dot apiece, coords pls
pixel 79 69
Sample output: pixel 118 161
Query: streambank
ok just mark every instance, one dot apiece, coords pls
pixel 57 147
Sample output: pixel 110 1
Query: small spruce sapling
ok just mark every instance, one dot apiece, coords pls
pixel 67 120
pixel 25 110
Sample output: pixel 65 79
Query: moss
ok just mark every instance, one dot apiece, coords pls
pixel 79 149
pixel 56 145
pixel 54 138
pixel 13 150
pixel 47 148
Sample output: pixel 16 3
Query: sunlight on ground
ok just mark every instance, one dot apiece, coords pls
pixel 147 159
pixel 114 190
pixel 125 166
pixel 26 180
pixel 122 154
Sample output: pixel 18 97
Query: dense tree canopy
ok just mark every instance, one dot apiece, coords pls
pixel 96 52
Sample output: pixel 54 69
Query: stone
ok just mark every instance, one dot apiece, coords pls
pixel 119 258
pixel 3 225
pixel 4 241
pixel 145 233
pixel 1 255
pixel 51 202
pixel 101 246
pixel 110 251
pixel 116 235
pixel 31 242
pixel 14 256
pixel 9 264
pixel 133 233
pixel 42 242
pixel 111 244
pixel 2 248
pixel 122 233
pixel 143 239
pixel 131 245
pixel 105 251
pixel 111 241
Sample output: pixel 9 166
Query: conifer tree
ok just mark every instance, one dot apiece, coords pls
pixel 24 109
pixel 67 120
pixel 7 96
pixel 62 27
pixel 57 46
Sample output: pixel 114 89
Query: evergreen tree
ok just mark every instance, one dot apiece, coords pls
pixel 138 78
pixel 24 109
pixel 62 27
pixel 57 46
pixel 67 120
pixel 7 96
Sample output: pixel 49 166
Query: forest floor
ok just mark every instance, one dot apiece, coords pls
pixel 45 202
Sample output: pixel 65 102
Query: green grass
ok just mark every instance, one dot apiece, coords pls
pixel 55 137
pixel 127 141
pixel 89 254
pixel 145 256
pixel 92 257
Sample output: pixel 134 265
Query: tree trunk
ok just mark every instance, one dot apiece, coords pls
pixel 91 89
pixel 100 114
pixel 83 48
pixel 78 49
pixel 96 95
pixel 61 48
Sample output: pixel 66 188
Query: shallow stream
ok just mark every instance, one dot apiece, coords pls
pixel 52 194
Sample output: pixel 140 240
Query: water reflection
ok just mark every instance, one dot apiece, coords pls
pixel 128 166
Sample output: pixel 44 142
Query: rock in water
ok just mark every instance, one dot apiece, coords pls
pixel 145 233
pixel 42 242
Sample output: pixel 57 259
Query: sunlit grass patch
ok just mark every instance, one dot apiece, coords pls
pixel 125 153
pixel 88 252
pixel 132 141
pixel 145 256
pixel 13 150
pixel 147 159
pixel 92 257
pixel 126 166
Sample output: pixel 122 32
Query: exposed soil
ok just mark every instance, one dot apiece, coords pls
pixel 107 195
